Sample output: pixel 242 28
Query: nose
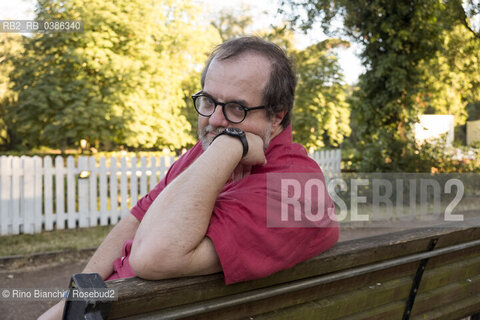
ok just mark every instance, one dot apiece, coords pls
pixel 217 119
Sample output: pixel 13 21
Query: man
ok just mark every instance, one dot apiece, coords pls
pixel 209 213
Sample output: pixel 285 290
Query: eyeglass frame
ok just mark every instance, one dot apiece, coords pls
pixel 223 104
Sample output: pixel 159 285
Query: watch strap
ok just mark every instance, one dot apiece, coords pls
pixel 237 133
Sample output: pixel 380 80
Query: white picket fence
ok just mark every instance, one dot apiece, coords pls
pixel 329 161
pixel 36 195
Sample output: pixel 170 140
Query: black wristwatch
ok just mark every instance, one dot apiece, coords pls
pixel 238 133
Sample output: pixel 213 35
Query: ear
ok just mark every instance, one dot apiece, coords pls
pixel 277 119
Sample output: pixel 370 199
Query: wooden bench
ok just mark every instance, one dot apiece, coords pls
pixel 424 273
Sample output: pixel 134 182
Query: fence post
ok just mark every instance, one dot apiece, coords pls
pixel 16 194
pixel 82 193
pixel 93 208
pixel 113 191
pixel 143 177
pixel 71 210
pixel 60 193
pixel 28 194
pixel 5 184
pixel 338 161
pixel 48 192
pixel 37 195
pixel 153 174
pixel 133 182
pixel 103 192
pixel 123 188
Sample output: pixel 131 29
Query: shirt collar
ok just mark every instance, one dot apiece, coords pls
pixel 283 138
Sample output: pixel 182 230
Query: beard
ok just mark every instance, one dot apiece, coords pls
pixel 204 134
pixel 205 137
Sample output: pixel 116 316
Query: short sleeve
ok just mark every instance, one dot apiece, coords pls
pixel 246 247
pixel 175 169
pixel 146 201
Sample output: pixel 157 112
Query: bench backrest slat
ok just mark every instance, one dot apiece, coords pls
pixel 139 296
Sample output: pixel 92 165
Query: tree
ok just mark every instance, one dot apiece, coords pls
pixel 321 113
pixel 190 86
pixel 452 77
pixel 232 23
pixel 10 45
pixel 400 38
pixel 118 82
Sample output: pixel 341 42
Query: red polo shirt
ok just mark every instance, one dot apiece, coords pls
pixel 251 238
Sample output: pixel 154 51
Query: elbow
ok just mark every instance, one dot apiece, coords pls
pixel 141 266
pixel 150 264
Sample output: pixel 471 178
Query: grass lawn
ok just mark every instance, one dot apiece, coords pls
pixel 71 239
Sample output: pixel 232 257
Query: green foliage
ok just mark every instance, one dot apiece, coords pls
pixel 410 53
pixel 437 157
pixel 321 113
pixel 397 37
pixel 231 24
pixel 10 45
pixel 190 86
pixel 118 83
pixel 453 77
pixel 432 156
pixel 127 80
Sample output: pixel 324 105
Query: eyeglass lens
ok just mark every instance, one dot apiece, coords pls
pixel 206 106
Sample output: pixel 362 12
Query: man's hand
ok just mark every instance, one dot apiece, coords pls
pixel 54 313
pixel 102 261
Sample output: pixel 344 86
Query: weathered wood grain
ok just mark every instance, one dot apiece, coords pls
pixel 372 295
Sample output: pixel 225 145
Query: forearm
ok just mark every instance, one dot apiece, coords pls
pixel 177 221
pixel 111 248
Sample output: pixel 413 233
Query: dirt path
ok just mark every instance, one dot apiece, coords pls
pixel 53 275
pixel 57 275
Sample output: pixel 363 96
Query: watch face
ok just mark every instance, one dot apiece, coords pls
pixel 234 131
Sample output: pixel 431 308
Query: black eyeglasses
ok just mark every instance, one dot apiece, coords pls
pixel 234 112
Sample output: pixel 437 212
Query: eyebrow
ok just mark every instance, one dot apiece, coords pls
pixel 239 101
